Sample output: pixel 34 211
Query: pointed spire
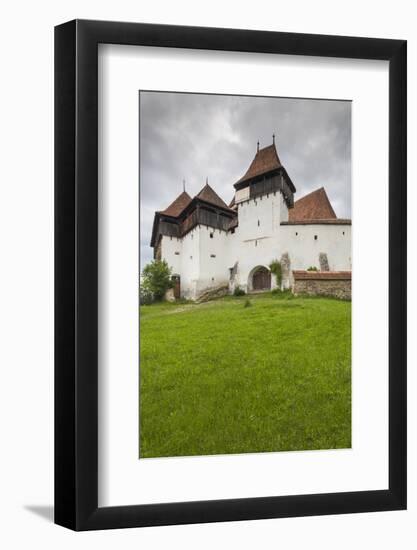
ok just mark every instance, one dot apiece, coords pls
pixel 273 139
pixel 183 185
pixel 265 160
pixel 206 180
pixel 257 147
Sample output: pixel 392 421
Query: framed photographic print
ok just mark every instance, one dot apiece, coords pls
pixel 230 248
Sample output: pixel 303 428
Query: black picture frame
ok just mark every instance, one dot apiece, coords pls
pixel 76 272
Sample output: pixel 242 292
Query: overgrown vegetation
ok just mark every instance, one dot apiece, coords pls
pixel 221 378
pixel 276 269
pixel 156 279
pixel 248 303
pixel 286 294
pixel 238 291
pixel 145 296
pixel 312 268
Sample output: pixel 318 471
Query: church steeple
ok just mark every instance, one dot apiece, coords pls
pixel 266 160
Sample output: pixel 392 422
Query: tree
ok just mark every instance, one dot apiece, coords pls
pixel 156 277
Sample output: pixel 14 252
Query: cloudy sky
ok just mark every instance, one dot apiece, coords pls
pixel 192 136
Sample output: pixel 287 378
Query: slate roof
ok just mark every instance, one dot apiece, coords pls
pixel 176 207
pixel 266 160
pixel 314 206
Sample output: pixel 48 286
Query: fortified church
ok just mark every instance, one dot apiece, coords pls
pixel 209 244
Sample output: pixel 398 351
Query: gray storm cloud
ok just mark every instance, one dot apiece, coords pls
pixel 193 136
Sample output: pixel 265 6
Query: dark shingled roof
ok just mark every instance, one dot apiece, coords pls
pixel 314 206
pixel 208 194
pixel 176 207
pixel 265 160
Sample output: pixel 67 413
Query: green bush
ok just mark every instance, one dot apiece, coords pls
pixel 238 291
pixel 156 278
pixel 276 269
pixel 248 303
pixel 145 296
pixel 312 268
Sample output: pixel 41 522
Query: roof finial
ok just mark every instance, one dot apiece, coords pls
pixel 183 185
pixel 206 180
pixel 257 147
pixel 273 139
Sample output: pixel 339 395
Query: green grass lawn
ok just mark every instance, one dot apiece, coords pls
pixel 219 378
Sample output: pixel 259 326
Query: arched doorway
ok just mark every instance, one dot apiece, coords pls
pixel 260 278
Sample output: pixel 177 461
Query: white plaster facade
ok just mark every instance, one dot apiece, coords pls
pixel 204 257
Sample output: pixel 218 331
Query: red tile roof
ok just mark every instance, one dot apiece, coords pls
pixel 176 207
pixel 314 206
pixel 265 160
pixel 323 275
pixel 208 194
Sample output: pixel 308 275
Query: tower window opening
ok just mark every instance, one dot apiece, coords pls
pixel 211 235
pixel 315 237
pixel 259 223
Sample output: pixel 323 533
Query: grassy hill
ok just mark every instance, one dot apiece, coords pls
pixel 219 377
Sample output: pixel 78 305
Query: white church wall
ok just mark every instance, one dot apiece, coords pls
pixel 215 258
pixel 257 240
pixel 171 249
pixel 260 217
pixel 304 249
pixel 204 262
pixel 190 261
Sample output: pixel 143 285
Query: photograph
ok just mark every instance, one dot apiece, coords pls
pixel 245 283
pixel 208 335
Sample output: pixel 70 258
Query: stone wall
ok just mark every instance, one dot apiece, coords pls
pixel 323 283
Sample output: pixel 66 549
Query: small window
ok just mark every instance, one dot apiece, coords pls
pixel 256 243
pixel 315 237
pixel 343 233
pixel 212 278
pixel 211 235
pixel 259 223
pixel 296 233
pixel 212 255
pixel 176 253
pixel 191 257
